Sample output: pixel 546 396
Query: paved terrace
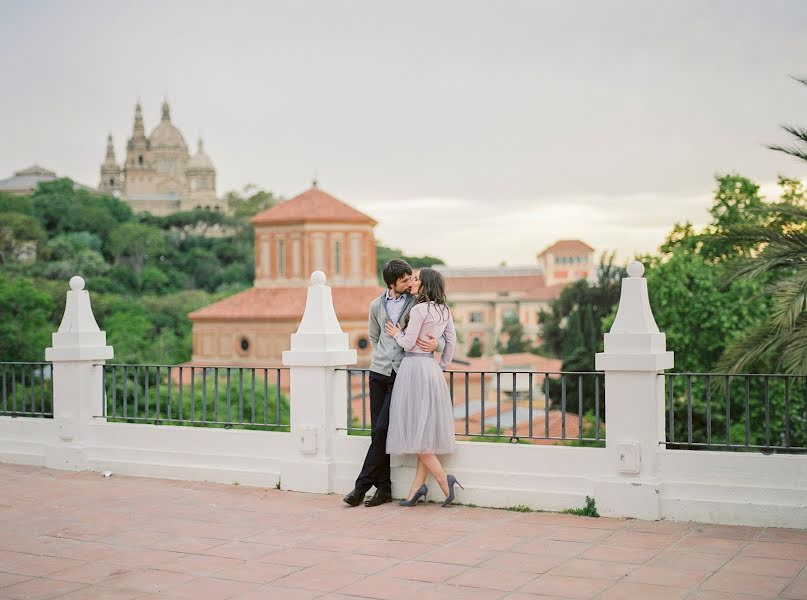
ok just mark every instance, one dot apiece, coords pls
pixel 79 536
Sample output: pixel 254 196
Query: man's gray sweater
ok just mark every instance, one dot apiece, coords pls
pixel 387 354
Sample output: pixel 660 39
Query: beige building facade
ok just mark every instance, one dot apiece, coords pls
pixel 158 174
pixel 483 297
pixel 566 261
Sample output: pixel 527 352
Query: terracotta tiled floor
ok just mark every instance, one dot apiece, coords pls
pixel 79 536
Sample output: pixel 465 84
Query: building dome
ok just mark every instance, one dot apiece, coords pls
pixel 165 135
pixel 200 161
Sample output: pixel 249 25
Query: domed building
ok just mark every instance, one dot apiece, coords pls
pixel 159 175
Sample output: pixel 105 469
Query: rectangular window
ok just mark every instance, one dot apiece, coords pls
pixel 355 256
pixel 337 257
pixel 319 254
pixel 281 257
pixel 266 266
pixel 476 317
pixel 296 259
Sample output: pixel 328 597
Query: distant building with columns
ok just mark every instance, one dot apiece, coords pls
pixel 566 261
pixel 483 297
pixel 158 174
pixel 310 232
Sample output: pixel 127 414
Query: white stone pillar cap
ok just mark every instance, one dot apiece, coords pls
pixel 319 340
pixel 78 337
pixel 634 342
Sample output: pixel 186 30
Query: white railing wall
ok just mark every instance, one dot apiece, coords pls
pixel 633 476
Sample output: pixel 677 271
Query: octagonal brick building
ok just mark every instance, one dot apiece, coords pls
pixel 310 232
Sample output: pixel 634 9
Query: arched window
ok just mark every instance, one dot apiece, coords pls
pixel 111 183
pixel 140 159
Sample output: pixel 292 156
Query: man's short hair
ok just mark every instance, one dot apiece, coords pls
pixel 394 270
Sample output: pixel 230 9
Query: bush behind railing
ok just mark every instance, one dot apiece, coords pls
pixel 253 403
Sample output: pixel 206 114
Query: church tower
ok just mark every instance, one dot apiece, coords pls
pixel 137 148
pixel 111 179
pixel 138 170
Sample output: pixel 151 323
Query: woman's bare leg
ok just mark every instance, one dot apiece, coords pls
pixel 432 463
pixel 420 478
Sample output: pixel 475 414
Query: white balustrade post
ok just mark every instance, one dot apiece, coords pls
pixel 78 354
pixel 635 356
pixel 318 396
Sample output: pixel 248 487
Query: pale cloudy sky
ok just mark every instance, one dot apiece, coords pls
pixel 475 131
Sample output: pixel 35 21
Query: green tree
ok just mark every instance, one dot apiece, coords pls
pixel 204 268
pixel 17 233
pixel 196 222
pixel 132 244
pixel 87 263
pixel 794 192
pixel 14 203
pixel 781 339
pixel 385 254
pixel 61 208
pixel 737 203
pixel 514 332
pixel 155 281
pixel 699 315
pixel 475 351
pixel 778 258
pixel 249 201
pixel 68 254
pixel 591 303
pixel 26 325
pixel 130 331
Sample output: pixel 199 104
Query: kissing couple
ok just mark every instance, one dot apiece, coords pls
pixel 410 405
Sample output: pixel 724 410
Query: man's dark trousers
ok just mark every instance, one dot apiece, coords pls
pixel 376 468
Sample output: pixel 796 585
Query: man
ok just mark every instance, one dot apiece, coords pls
pixel 393 305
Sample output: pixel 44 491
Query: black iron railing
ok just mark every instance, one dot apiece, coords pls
pixel 27 389
pixel 737 412
pixel 508 406
pixel 226 396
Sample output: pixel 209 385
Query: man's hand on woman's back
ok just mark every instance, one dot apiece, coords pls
pixel 428 344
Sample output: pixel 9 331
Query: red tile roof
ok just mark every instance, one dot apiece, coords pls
pixel 312 206
pixel 567 246
pixel 286 304
pixel 528 286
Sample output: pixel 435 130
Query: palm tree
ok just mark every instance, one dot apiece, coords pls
pixel 799 148
pixel 781 255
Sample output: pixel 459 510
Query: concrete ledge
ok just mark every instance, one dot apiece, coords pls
pixel 268 479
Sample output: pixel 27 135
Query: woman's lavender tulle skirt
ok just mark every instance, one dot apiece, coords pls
pixel 421 418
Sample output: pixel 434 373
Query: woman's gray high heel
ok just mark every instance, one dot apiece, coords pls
pixel 422 491
pixel 451 481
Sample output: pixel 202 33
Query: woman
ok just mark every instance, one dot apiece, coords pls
pixel 421 419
